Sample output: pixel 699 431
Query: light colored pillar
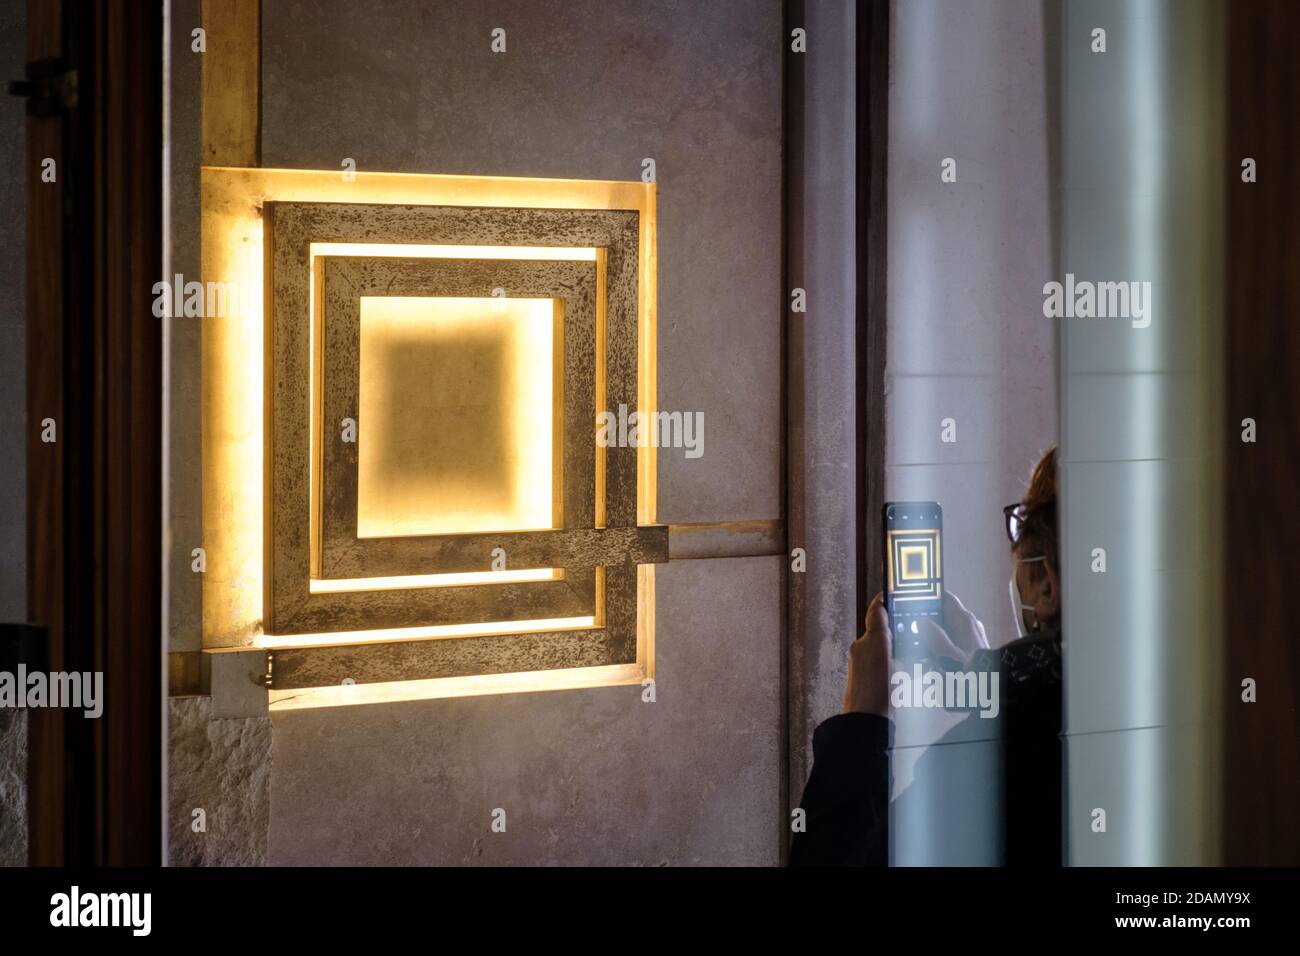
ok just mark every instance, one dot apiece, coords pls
pixel 1142 201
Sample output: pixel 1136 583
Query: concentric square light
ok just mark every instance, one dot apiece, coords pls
pixel 552 393
pixel 473 399
pixel 913 565
pixel 457 418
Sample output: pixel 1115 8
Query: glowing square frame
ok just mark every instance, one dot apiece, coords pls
pixel 290 230
pixel 344 555
pixel 914 588
pixel 346 281
pixel 461 398
pixel 236 445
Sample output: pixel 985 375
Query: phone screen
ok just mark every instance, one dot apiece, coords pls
pixel 913 563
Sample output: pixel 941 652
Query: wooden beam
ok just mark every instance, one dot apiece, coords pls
pixel 125 483
pixel 872 74
pixel 94 366
pixel 1261 768
pixel 45 388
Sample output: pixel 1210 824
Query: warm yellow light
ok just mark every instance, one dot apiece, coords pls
pixel 232 386
pixel 571 678
pixel 426 251
pixel 915 563
pixel 273 641
pixel 412 250
pixel 456 416
pixel 447 580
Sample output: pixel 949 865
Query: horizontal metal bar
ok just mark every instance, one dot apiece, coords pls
pixel 381 662
pixel 558 548
pixel 726 539
pixel 186 675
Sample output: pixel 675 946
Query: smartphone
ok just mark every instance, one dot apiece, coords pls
pixel 913 540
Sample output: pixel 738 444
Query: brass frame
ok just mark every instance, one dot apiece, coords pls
pixel 289 229
pixel 346 281
pixel 238 447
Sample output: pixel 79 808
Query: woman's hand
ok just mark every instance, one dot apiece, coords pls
pixel 962 635
pixel 870 665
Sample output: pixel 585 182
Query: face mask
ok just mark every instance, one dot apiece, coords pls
pixel 1018 606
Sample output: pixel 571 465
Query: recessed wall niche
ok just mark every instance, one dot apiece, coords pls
pixel 424 505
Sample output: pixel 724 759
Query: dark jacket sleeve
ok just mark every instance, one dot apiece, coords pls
pixel 846 801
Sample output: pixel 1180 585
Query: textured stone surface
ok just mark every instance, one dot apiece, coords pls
pixel 822 439
pixel 13 788
pixel 585 776
pixel 379 661
pixel 587 89
pixel 237 680
pixel 222 766
pixel 185 506
pixel 556 548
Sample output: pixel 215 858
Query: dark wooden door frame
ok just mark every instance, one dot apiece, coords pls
pixel 46 463
pixel 1261 767
pixel 872 269
pixel 94 364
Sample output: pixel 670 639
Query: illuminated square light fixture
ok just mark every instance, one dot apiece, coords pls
pixel 435 352
pixel 493 406
pixel 432 372
pixel 913 565
pixel 528 348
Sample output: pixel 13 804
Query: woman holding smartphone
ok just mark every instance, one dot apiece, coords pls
pixel 846 800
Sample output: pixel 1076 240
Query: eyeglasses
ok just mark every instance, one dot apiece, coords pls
pixel 1015 515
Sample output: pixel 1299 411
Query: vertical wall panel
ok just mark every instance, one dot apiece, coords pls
pixel 1142 200
pixel 584 90
pixel 822 428
pixel 967 341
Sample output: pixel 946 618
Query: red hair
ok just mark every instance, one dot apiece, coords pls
pixel 1038 522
